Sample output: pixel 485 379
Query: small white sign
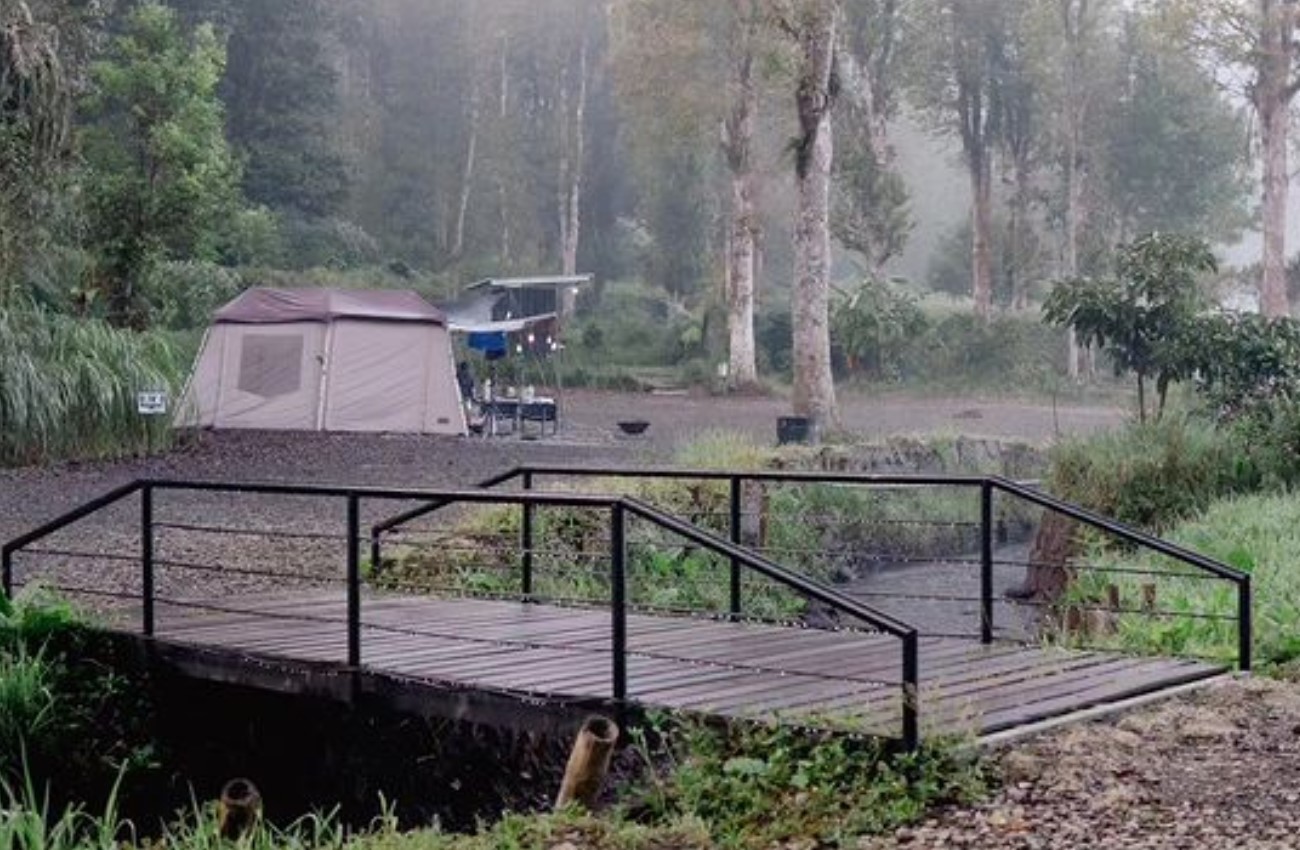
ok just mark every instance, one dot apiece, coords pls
pixel 151 403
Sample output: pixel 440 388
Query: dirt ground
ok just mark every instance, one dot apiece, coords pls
pixel 1216 768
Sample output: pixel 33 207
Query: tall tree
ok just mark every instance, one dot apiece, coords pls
pixel 687 67
pixel 163 183
pixel 574 85
pixel 44 52
pixel 738 150
pixel 870 200
pixel 814 27
pixel 1255 41
pixel 958 53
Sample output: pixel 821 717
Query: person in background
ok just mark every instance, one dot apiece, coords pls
pixel 465 377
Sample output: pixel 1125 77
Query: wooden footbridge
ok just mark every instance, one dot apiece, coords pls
pixel 860 669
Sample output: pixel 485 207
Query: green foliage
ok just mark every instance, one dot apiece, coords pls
pixel 1172 155
pixel 872 326
pixel 1244 365
pixel 869 212
pixel 1257 534
pixel 768 786
pixel 70 713
pixel 25 702
pixel 162 183
pixel 68 388
pixel 1152 474
pixel 1009 352
pixel 1141 317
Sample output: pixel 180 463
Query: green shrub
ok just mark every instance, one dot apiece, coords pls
pixel 68 387
pixel 767 786
pixel 871 328
pixel 1011 352
pixel 1151 475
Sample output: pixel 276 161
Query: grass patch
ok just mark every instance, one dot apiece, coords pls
pixel 1257 534
pixel 750 787
pixel 68 388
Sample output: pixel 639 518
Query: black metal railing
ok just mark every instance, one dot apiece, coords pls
pixel 619 511
pixel 985 490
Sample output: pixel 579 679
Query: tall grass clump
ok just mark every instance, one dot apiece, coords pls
pixel 68 387
pixel 1257 534
pixel 1154 474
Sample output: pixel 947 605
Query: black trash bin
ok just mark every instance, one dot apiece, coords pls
pixel 794 430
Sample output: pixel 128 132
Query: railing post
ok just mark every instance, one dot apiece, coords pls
pixel 376 551
pixel 735 502
pixel 526 539
pixel 146 559
pixel 7 573
pixel 1245 625
pixel 986 562
pixel 911 692
pixel 354 580
pixel 618 599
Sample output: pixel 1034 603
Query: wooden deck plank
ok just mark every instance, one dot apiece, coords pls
pixel 734 669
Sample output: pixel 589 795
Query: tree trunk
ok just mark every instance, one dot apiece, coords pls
pixel 738 147
pixel 571 163
pixel 503 117
pixel 467 175
pixel 981 236
pixel 1074 14
pixel 814 387
pixel 1275 123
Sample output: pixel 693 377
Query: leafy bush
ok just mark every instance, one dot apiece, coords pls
pixel 70 713
pixel 183 295
pixel 1143 317
pixel 68 387
pixel 1151 475
pixel 1244 364
pixel 1154 474
pixel 1011 352
pixel 326 243
pixel 766 786
pixel 872 326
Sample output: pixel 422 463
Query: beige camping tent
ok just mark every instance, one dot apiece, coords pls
pixel 322 359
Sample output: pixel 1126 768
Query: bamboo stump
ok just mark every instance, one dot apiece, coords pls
pixel 239 809
pixel 588 763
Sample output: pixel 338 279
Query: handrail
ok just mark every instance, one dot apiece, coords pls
pixel 986 484
pixel 1119 529
pixel 770 569
pixel 805 476
pixel 619 507
pixel 415 513
pixel 58 523
pixel 907 634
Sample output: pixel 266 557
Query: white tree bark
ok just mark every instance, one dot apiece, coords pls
pixel 467 174
pixel 1273 92
pixel 738 143
pixel 814 386
pixel 981 176
pixel 503 116
pixel 572 154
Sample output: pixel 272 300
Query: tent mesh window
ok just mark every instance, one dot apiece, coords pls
pixel 270 365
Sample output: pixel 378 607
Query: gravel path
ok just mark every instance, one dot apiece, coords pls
pixel 1216 768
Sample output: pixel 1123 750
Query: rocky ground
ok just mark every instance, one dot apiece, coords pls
pixel 1217 768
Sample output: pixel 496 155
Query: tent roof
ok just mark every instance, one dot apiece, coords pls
pixel 264 305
